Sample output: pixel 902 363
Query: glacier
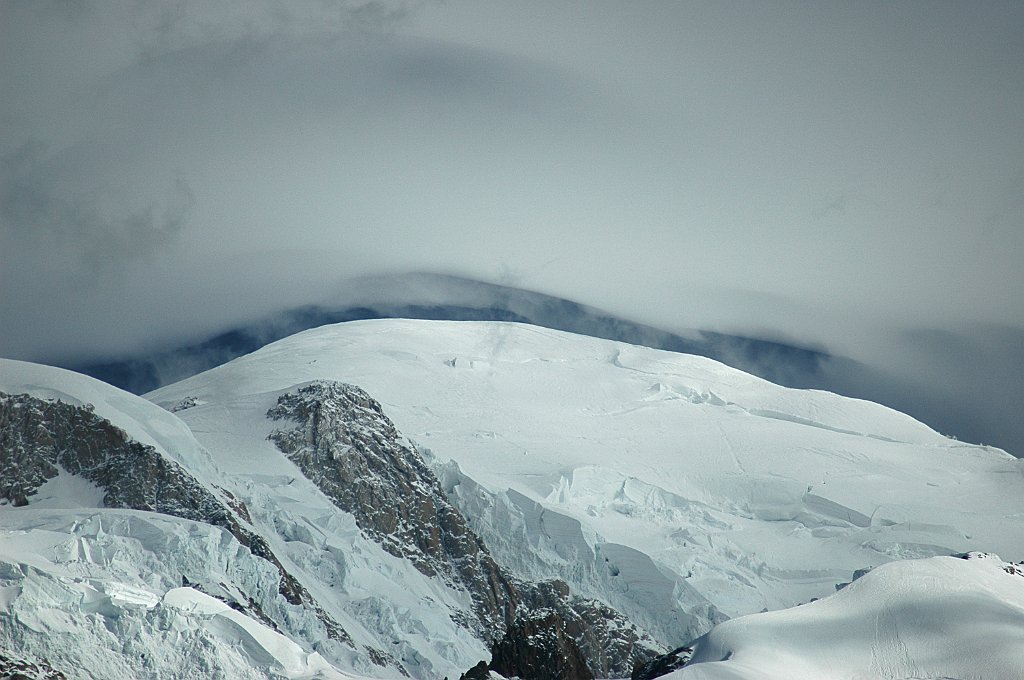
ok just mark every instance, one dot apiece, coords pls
pixel 669 488
pixel 758 496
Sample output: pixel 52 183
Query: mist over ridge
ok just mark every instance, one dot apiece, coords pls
pixel 446 297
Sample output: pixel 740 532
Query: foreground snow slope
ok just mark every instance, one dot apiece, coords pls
pixel 940 617
pixel 66 563
pixel 86 592
pixel 651 479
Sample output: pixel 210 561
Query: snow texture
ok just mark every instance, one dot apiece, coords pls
pixel 941 617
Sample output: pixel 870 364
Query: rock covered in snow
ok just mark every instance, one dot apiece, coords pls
pixel 662 665
pixel 16 667
pixel 42 439
pixel 343 443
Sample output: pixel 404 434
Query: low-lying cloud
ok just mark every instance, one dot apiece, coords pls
pixel 843 176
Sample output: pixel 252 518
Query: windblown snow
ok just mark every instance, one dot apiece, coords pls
pixel 671 487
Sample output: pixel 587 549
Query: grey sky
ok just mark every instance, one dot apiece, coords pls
pixel 844 174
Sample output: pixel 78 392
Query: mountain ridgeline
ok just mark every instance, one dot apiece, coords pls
pixel 439 297
pixel 464 300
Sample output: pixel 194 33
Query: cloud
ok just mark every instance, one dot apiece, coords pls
pixel 847 176
pixel 88 232
pixel 966 384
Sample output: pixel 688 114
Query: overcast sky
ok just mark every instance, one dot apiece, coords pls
pixel 848 175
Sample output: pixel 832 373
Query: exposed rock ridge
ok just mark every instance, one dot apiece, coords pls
pixel 343 443
pixel 39 437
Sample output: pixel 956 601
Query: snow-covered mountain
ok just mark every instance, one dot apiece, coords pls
pixel 937 402
pixel 409 497
pixel 940 617
pixel 440 297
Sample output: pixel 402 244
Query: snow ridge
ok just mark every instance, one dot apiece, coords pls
pixel 943 617
pixel 42 439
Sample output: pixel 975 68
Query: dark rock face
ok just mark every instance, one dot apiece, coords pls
pixel 663 665
pixel 538 647
pixel 610 643
pixel 38 437
pixel 344 444
pixel 477 672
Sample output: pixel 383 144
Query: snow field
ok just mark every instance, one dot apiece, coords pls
pixel 756 496
pixel 941 617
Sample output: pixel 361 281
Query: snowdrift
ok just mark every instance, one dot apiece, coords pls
pixel 943 617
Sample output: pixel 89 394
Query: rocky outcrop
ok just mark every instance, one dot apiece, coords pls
pixel 537 646
pixel 553 623
pixel 343 442
pixel 611 645
pixel 477 672
pixel 16 667
pixel 662 665
pixel 39 438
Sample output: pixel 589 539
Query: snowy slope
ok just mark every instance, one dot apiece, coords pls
pixel 940 617
pixel 63 538
pixel 86 592
pixel 657 481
